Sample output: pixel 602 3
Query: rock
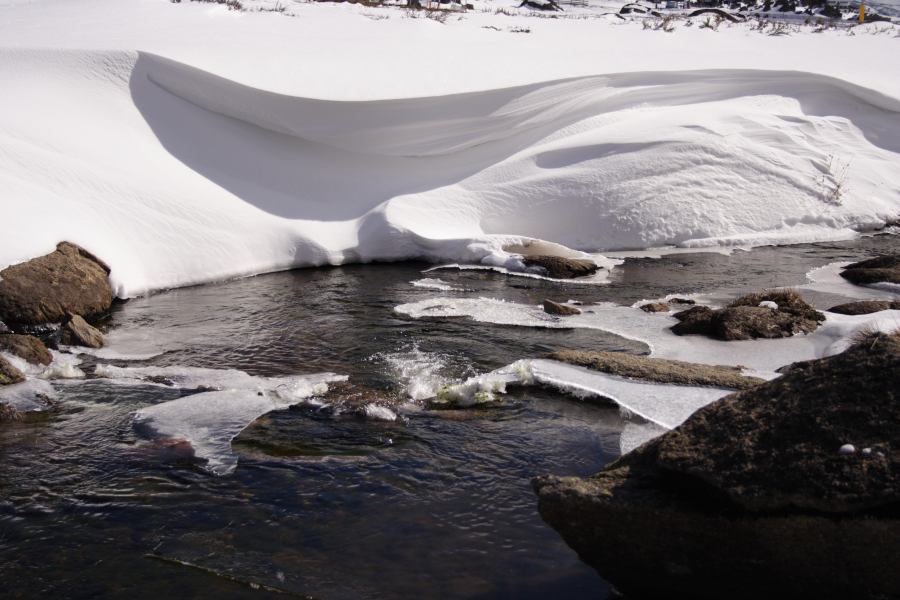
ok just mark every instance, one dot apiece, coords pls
pixel 864 307
pixel 682 301
pixel 751 495
pixel 847 449
pixel 558 267
pixel 740 444
pixel 353 423
pixel 44 289
pixel 77 332
pixel 4 328
pixel 695 320
pixel 658 369
pixel 26 347
pixel 654 307
pixel 745 319
pixel 9 374
pixel 881 269
pixel 555 308
pixel 8 413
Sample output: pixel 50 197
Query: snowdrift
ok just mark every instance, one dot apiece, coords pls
pixel 175 176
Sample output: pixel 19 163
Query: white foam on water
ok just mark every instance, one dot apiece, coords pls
pixel 28 396
pixel 379 413
pixel 63 366
pixel 420 374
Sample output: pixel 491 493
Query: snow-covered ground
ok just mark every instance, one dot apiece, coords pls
pixel 188 142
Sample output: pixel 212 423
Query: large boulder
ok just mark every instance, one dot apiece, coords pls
pixel 659 370
pixel 792 487
pixel 558 267
pixel 44 289
pixel 864 307
pixel 773 314
pixel 881 269
pixel 26 347
pixel 9 374
pixel 78 332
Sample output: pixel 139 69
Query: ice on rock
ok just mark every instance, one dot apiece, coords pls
pixel 768 304
pixel 211 419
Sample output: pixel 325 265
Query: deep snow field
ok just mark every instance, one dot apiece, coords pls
pixel 184 143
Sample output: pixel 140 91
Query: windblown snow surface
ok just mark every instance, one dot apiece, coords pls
pixel 181 143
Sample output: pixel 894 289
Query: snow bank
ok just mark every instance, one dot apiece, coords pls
pixel 175 175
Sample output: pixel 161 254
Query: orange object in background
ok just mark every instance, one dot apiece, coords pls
pixel 862 13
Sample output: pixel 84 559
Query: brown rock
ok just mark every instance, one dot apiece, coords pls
pixel 654 307
pixel 741 444
pixel 744 319
pixel 78 332
pixel 864 307
pixel 751 493
pixel 881 269
pixel 558 267
pixel 26 347
pixel 682 301
pixel 658 369
pixel 44 289
pixel 563 310
pixel 9 374
pixel 8 413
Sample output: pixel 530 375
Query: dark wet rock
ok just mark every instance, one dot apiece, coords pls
pixel 864 307
pixel 44 289
pixel 682 301
pixel 78 332
pixel 695 320
pixel 881 269
pixel 745 319
pixel 343 428
pixel 26 347
pixel 654 307
pixel 658 369
pixel 752 493
pixel 555 308
pixel 741 444
pixel 9 374
pixel 8 413
pixel 558 267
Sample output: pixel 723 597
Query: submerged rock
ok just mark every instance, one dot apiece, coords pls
pixel 8 413
pixel 752 316
pixel 355 421
pixel 9 374
pixel 864 307
pixel 77 332
pixel 753 494
pixel 555 308
pixel 44 289
pixel 881 269
pixel 26 347
pixel 558 267
pixel 658 369
pixel 654 307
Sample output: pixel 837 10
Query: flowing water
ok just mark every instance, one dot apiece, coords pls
pixel 437 504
